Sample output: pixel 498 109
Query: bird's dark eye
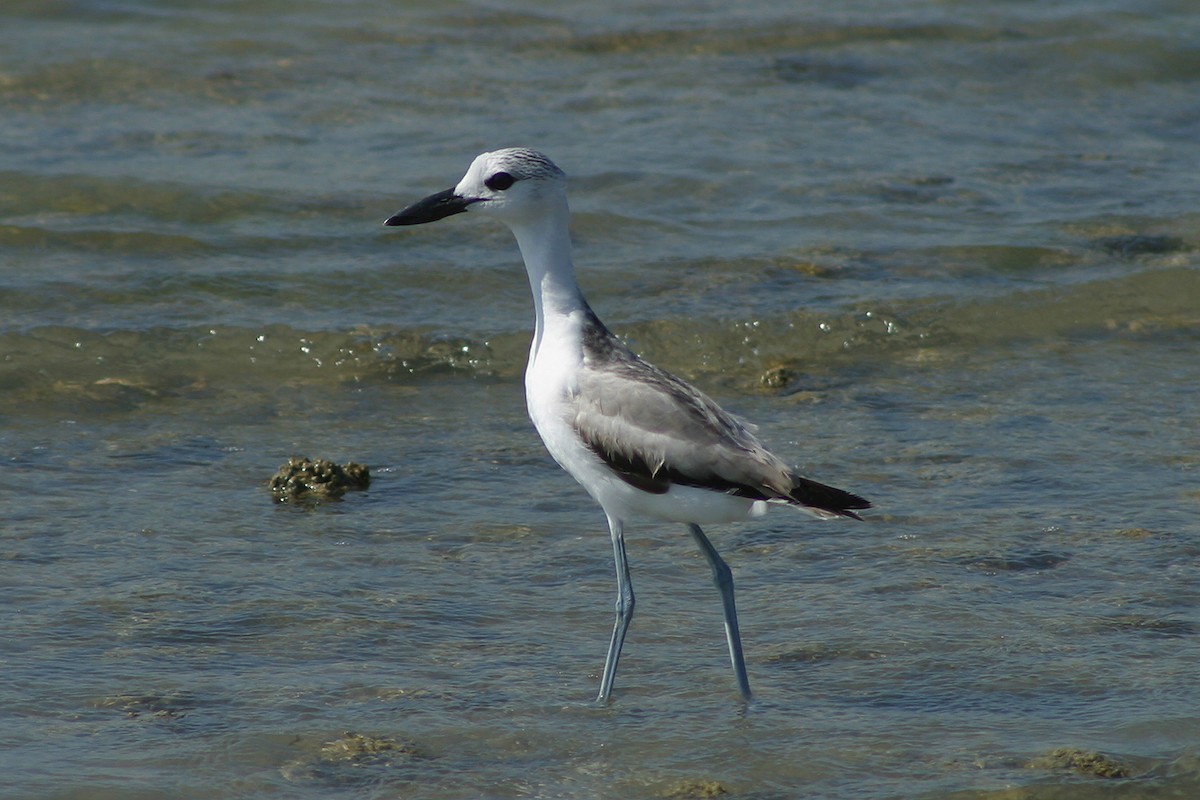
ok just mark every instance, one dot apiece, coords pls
pixel 499 182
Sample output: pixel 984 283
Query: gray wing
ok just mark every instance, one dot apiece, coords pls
pixel 655 430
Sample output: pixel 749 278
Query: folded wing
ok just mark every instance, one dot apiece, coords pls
pixel 655 430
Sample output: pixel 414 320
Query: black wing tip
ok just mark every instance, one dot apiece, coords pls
pixel 827 498
pixel 855 502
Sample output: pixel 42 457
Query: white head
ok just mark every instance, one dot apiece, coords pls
pixel 514 184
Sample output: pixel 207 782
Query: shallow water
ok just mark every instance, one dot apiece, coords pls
pixel 943 254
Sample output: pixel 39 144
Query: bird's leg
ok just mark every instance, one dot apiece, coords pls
pixel 624 609
pixel 723 578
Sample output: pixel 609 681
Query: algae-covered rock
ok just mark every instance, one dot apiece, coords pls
pixel 156 706
pixel 695 790
pixel 1085 762
pixel 778 376
pixel 305 479
pixel 349 760
pixel 359 749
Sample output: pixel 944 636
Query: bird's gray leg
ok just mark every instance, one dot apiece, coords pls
pixel 723 578
pixel 624 609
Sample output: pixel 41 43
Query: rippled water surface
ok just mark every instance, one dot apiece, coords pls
pixel 944 254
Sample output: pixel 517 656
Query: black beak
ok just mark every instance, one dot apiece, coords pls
pixel 431 209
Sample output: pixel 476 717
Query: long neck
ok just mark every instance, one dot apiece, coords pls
pixel 546 247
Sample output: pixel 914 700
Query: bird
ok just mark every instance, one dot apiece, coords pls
pixel 644 443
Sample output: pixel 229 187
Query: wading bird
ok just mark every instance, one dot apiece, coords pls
pixel 642 442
